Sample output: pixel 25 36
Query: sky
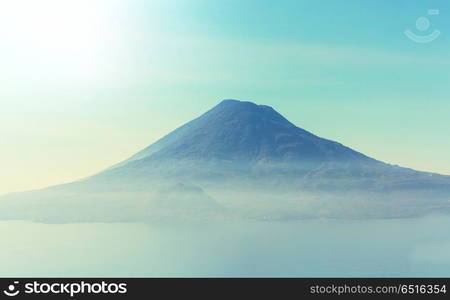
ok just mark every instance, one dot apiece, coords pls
pixel 87 83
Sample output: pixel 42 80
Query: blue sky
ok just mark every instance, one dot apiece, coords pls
pixel 86 84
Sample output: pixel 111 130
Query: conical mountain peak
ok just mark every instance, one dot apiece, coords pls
pixel 236 152
pixel 244 131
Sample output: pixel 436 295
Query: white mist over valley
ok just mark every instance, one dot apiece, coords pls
pixel 320 247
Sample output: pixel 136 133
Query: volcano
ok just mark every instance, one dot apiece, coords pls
pixel 245 160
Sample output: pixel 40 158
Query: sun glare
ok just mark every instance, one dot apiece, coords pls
pixel 54 38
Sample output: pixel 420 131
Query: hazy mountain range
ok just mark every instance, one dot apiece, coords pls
pixel 239 160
